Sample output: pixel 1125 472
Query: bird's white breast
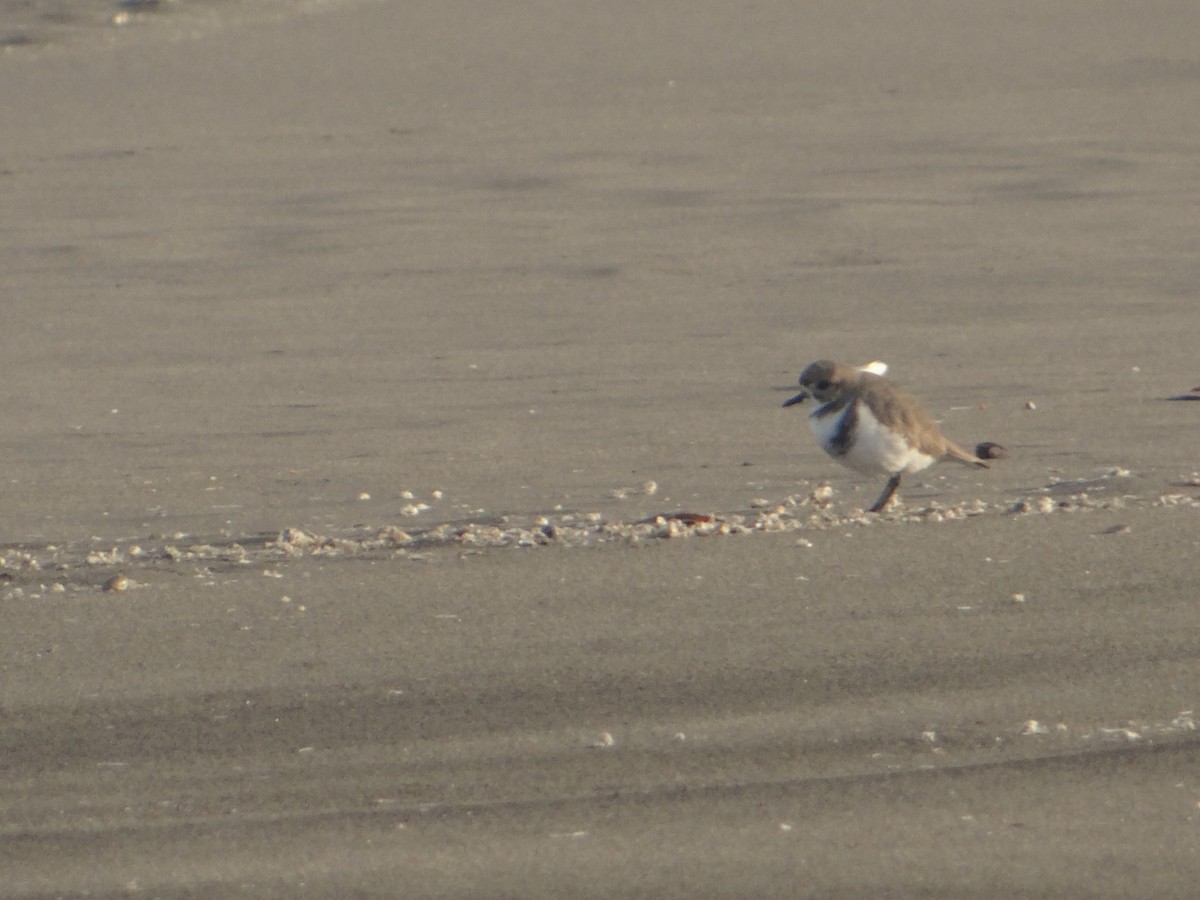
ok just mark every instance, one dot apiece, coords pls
pixel 871 447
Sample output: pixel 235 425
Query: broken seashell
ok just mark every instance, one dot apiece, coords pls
pixel 117 583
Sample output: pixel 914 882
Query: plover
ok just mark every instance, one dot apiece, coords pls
pixel 869 424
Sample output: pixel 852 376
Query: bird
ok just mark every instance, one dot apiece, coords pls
pixel 871 425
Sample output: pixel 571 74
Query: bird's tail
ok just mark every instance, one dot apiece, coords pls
pixel 984 450
pixel 958 454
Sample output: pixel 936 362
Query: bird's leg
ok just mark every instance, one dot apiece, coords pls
pixel 889 491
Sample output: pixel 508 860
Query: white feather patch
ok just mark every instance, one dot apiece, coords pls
pixel 874 448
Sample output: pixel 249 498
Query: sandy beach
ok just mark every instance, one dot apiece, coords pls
pixel 370 353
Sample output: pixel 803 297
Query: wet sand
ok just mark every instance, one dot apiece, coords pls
pixel 425 283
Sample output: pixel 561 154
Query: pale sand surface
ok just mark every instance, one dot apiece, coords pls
pixel 531 257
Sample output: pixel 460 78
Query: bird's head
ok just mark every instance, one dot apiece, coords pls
pixel 822 380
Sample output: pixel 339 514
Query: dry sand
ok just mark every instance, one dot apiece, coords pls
pixel 308 273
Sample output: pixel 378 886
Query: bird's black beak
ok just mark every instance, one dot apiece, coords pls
pixel 799 398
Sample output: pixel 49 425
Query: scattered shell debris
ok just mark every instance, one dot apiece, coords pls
pixel 802 514
pixel 822 496
pixel 1185 721
pixel 1071 496
pixel 1176 500
pixel 648 489
pixel 1120 734
pixel 104 558
pixel 1129 732
pixel 604 739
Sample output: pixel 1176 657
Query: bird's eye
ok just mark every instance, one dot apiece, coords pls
pixel 822 385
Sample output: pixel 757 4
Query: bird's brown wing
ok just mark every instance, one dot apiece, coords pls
pixel 895 407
